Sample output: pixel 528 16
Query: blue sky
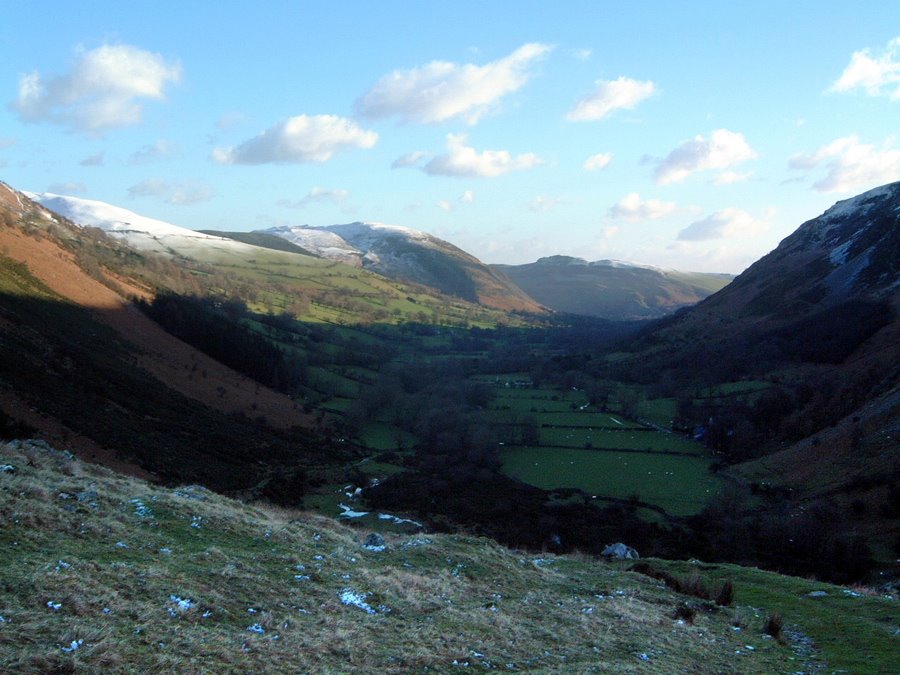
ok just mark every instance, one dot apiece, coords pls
pixel 686 135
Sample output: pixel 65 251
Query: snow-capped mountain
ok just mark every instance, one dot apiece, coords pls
pixel 611 289
pixel 141 232
pixel 411 255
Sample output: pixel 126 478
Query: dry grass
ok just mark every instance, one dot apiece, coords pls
pixel 255 588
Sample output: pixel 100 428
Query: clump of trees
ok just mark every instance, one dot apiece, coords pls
pixel 214 326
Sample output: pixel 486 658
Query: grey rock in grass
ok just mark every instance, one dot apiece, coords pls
pixel 620 551
pixel 374 542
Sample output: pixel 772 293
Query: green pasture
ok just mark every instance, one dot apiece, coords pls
pixel 589 418
pixel 659 411
pixel 680 485
pixel 632 439
pixel 385 436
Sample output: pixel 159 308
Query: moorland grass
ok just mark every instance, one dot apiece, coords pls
pixel 122 576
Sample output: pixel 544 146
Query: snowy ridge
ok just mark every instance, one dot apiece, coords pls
pixel 141 232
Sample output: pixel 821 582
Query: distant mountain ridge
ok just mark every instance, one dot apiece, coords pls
pixel 611 289
pixel 410 255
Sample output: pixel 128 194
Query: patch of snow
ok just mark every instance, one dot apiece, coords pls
pixel 138 231
pixel 141 510
pixel 347 512
pixel 55 606
pixel 75 644
pixel 356 599
pixel 7 468
pixel 397 520
pixel 256 628
pixel 180 605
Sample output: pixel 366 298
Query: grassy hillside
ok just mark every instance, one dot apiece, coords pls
pixel 106 573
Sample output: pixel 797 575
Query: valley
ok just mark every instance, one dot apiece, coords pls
pixel 294 381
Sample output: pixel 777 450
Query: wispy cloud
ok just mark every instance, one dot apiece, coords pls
pixel 725 224
pixel 851 165
pixel 544 204
pixel 877 75
pixel 304 138
pixel 409 160
pixel 106 88
pixel 598 162
pixel 98 159
pixel 150 153
pixel 462 160
pixel 316 195
pixel 723 149
pixel 466 197
pixel 582 54
pixel 69 188
pixel 180 194
pixel 609 96
pixel 731 177
pixel 441 90
pixel 631 208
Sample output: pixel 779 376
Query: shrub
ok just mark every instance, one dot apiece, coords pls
pixel 774 626
pixel 686 613
pixel 725 596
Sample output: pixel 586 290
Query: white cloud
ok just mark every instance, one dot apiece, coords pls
pixel 180 194
pixel 631 208
pixel 610 231
pixel 597 162
pixel 445 205
pixel 70 188
pixel 409 160
pixel 876 75
pixel 724 224
pixel 467 197
pixel 851 165
pixel 304 138
pixel 610 95
pixel 721 150
pixel 462 160
pixel 731 177
pixel 150 153
pixel 316 194
pixel 104 90
pixel 441 90
pixel 543 204
pixel 94 160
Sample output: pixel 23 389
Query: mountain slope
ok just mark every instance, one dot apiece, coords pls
pixel 286 278
pixel 169 580
pixel 817 323
pixel 81 366
pixel 609 289
pixel 413 256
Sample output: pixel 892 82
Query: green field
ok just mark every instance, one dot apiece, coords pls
pixel 680 485
pixel 604 454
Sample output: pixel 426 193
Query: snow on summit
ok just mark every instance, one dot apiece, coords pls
pixel 141 232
